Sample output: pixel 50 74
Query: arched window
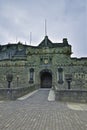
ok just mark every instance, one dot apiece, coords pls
pixel 31 75
pixel 60 75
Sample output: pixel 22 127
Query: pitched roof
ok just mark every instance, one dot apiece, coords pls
pixel 47 43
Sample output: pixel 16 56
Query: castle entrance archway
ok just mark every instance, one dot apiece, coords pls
pixel 46 79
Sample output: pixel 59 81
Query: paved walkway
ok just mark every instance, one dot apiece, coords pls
pixel 37 113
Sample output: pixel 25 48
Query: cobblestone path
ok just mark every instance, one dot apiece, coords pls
pixel 36 113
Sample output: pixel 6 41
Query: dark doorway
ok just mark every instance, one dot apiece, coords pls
pixel 46 79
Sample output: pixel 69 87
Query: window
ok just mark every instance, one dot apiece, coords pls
pixel 31 75
pixel 60 75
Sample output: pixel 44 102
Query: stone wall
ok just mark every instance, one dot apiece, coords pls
pixel 14 93
pixel 21 74
pixel 41 58
pixel 71 95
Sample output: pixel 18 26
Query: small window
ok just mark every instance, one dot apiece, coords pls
pixel 31 75
pixel 60 75
pixel 50 59
pixel 41 59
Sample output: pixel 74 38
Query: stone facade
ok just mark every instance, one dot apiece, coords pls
pixel 46 65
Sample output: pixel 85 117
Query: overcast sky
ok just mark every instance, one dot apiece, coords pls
pixel 65 19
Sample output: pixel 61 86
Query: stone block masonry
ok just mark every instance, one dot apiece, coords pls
pixel 71 95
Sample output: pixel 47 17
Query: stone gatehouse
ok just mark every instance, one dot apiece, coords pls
pixel 46 65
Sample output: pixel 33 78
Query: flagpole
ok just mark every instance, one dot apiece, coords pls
pixel 45 27
pixel 30 37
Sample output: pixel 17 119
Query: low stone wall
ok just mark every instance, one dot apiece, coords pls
pixel 71 95
pixel 14 93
